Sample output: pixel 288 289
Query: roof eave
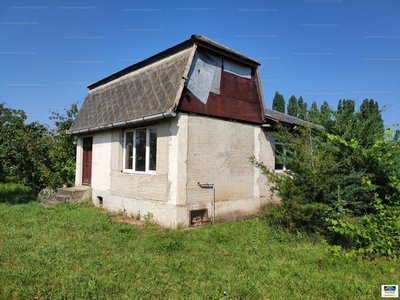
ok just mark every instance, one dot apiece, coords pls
pixel 137 121
pixel 295 123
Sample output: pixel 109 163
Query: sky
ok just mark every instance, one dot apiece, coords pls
pixel 322 50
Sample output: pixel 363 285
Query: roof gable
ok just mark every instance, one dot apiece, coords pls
pixel 145 92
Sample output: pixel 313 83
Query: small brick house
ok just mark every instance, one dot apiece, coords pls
pixel 172 136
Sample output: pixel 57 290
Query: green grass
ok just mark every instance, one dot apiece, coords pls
pixel 78 252
pixel 15 193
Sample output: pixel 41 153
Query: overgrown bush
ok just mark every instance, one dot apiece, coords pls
pixel 340 182
pixel 34 155
pixel 376 233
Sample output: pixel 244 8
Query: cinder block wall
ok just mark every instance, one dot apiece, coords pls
pixel 218 153
pixel 153 187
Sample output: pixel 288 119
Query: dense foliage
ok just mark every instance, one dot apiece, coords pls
pixel 34 155
pixel 64 148
pixel 342 181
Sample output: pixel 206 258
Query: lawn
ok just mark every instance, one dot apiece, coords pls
pixel 79 252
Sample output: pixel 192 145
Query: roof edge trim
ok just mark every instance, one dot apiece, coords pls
pixel 167 114
pixel 185 76
pixel 224 50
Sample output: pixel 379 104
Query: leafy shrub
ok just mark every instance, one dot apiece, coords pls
pixel 343 189
pixel 376 233
pixel 373 234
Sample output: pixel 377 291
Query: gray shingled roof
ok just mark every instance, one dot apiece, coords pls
pixel 278 117
pixel 146 91
pixel 283 118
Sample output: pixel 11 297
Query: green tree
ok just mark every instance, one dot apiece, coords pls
pixel 34 168
pixel 24 149
pixel 397 135
pixel 63 151
pixel 11 125
pixel 344 119
pixel 325 116
pixel 292 108
pixel 32 154
pixel 370 122
pixel 278 103
pixel 302 108
pixel 313 113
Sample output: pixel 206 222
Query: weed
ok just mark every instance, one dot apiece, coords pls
pixel 148 220
pixel 171 245
pixel 137 216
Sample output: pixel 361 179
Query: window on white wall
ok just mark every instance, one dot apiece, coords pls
pixel 140 150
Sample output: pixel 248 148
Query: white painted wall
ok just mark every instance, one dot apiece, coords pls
pixel 101 160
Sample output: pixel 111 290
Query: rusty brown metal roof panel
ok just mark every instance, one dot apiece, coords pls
pixel 221 106
pixel 144 92
pixel 239 88
pixel 238 96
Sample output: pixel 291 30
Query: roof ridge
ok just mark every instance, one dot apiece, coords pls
pixel 194 39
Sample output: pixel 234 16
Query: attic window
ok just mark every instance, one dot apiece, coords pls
pixel 140 150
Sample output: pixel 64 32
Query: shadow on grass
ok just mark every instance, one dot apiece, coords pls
pixel 15 193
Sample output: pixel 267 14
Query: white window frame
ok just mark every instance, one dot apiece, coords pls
pixel 147 165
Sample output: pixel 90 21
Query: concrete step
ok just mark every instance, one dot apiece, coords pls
pixel 63 198
pixel 76 193
pixel 55 199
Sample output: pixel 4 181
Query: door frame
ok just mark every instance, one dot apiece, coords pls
pixel 87 149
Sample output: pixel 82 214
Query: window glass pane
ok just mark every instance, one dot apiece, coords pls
pixel 278 157
pixel 153 149
pixel 140 160
pixel 128 150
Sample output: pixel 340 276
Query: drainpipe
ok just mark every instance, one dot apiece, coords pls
pixel 209 186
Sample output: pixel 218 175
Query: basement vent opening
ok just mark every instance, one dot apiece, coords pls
pixel 199 217
pixel 100 200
